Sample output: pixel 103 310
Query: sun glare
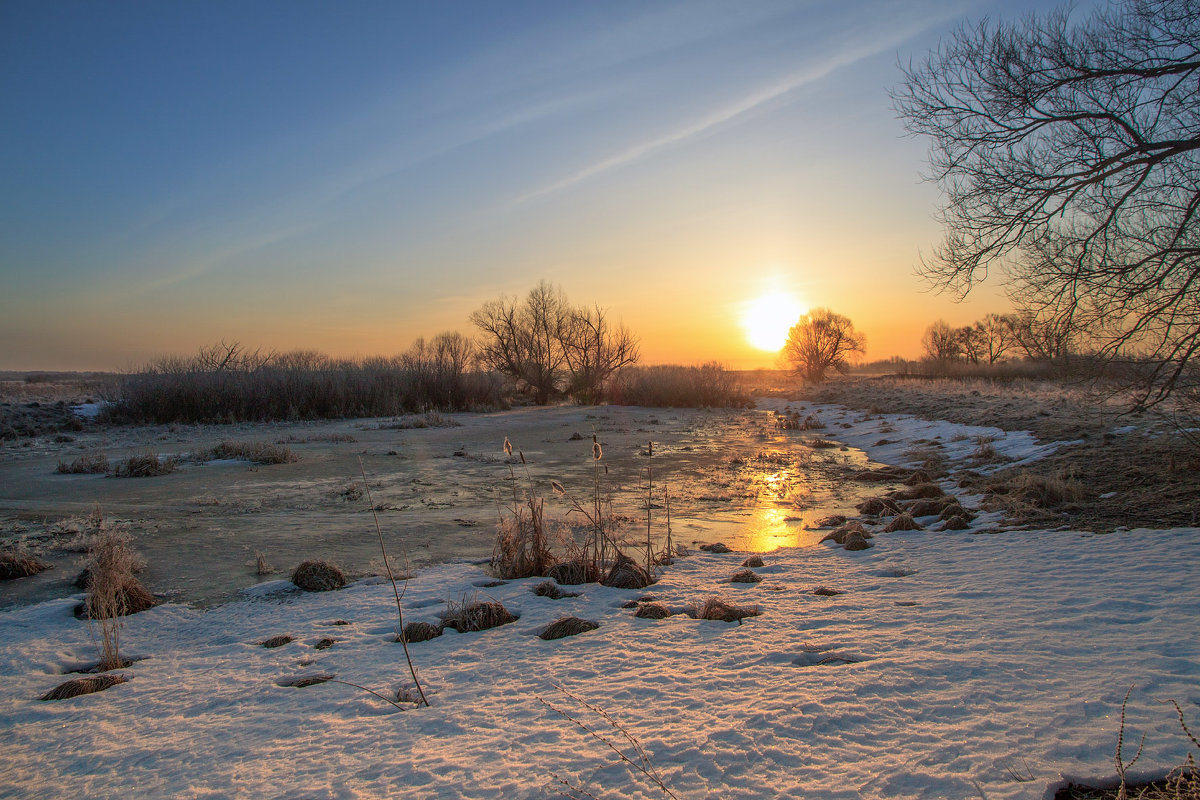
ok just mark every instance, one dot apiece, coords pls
pixel 768 319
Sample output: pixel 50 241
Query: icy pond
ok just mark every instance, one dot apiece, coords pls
pixel 724 475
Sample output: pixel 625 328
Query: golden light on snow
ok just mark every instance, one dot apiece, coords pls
pixel 768 318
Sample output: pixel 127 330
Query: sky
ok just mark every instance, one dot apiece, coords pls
pixel 347 177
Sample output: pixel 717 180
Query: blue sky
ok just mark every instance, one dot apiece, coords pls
pixel 349 176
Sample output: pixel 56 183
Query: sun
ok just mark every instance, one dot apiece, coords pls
pixel 768 318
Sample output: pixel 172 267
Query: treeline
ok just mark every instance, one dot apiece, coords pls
pixel 540 349
pixel 230 383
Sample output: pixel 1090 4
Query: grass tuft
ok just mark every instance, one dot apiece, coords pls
pixel 318 576
pixel 144 465
pixel 567 626
pixel 714 608
pixel 86 464
pixel 16 563
pixel 82 686
pixel 471 614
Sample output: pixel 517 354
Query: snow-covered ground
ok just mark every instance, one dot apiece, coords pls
pixel 954 665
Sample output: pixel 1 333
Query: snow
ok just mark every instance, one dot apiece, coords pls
pixel 952 663
pixel 88 410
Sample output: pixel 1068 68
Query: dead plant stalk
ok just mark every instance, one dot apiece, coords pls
pixel 395 591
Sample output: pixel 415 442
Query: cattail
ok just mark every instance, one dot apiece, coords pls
pixel 521 453
pixel 597 452
pixel 507 447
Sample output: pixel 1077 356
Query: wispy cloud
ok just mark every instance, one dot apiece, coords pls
pixel 732 111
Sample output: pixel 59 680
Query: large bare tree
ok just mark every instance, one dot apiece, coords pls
pixel 822 341
pixel 1068 151
pixel 548 347
pixel 596 352
pixel 524 340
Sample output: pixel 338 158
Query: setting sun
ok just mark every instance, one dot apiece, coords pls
pixel 768 318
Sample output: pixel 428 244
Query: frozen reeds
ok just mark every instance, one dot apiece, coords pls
pixel 113 591
pixel 522 548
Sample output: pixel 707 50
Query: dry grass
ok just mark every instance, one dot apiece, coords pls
pixel 1181 783
pixel 567 626
pixel 921 491
pixel 113 591
pixel 756 561
pixel 550 589
pixel 574 572
pixel 627 574
pixel 277 641
pixel 421 632
pixel 305 681
pixel 931 458
pixel 1024 494
pixel 318 576
pixel 254 452
pixel 652 611
pixel 471 614
pixel 82 686
pixel 931 507
pixel 144 465
pixel 714 608
pixel 745 576
pixel 522 548
pixel 261 567
pixel 876 506
pixel 86 464
pixel 903 522
pixel 430 419
pixel 15 562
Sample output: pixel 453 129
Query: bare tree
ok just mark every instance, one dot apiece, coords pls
pixel 596 352
pixel 1069 155
pixel 995 336
pixel 1050 338
pixel 525 341
pixel 942 342
pixel 821 341
pixel 970 344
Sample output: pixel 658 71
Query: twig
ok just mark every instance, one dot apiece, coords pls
pixel 395 591
pixel 643 765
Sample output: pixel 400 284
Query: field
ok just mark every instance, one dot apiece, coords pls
pixel 990 661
